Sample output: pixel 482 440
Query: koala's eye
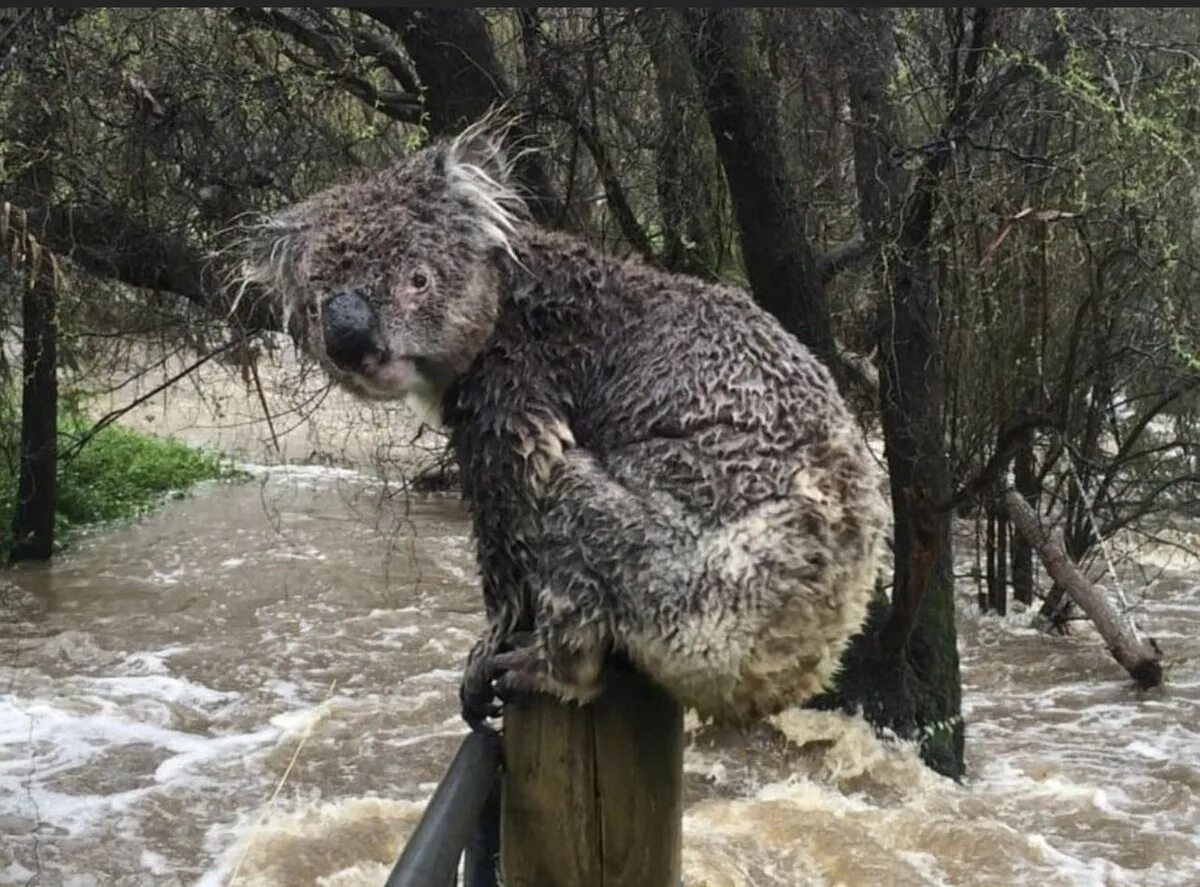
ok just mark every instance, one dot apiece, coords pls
pixel 419 280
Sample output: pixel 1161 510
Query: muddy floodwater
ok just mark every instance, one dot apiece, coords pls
pixel 257 685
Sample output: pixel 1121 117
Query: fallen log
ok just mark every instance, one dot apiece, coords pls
pixel 1141 658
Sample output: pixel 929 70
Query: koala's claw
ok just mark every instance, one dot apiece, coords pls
pixel 477 707
pixel 503 675
pixel 516 673
pixel 476 695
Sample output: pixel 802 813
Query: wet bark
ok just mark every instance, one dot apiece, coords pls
pixel 37 484
pixel 999 590
pixel 1022 554
pixel 903 671
pixel 37 470
pixel 742 104
pixel 919 652
pixel 1141 658
pixel 1052 616
pixel 691 242
pixel 989 549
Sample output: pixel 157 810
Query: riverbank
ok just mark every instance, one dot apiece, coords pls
pixel 116 474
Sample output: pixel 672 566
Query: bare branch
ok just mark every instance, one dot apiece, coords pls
pixel 402 106
pixel 841 257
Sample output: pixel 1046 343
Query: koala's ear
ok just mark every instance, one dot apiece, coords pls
pixel 481 145
pixel 479 177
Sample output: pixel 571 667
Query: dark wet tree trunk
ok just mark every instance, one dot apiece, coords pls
pixel 454 57
pixel 33 517
pixel 1031 361
pixel 691 241
pixel 903 671
pixel 1022 554
pixel 919 694
pixel 999 590
pixel 742 103
pixel 989 549
pixel 37 472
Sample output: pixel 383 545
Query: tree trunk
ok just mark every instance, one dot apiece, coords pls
pixel 1142 659
pixel 462 80
pixel 1022 554
pixel 37 473
pixel 37 484
pixel 903 671
pixel 919 641
pixel 1000 590
pixel 691 242
pixel 1052 616
pixel 989 547
pixel 743 112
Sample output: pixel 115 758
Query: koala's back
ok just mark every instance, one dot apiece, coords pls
pixel 719 404
pixel 722 526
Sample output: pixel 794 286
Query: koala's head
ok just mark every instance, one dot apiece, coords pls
pixel 391 281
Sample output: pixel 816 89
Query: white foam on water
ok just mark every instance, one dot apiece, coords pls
pixel 300 472
pixel 1074 779
pixel 156 863
pixel 311 841
pixel 15 873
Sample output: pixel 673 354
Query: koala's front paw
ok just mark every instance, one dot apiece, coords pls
pixel 483 680
pixel 476 694
pixel 476 697
pixel 518 672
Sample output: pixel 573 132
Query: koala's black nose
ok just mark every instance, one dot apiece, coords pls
pixel 351 331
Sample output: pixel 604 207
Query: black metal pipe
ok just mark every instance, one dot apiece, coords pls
pixel 430 858
pixel 483 847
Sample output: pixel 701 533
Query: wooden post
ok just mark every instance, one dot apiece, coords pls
pixel 593 795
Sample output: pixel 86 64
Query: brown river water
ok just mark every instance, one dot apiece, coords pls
pixel 256 685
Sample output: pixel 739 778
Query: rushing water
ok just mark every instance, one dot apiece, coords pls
pixel 257 684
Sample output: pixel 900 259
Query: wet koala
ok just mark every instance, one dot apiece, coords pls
pixel 654 467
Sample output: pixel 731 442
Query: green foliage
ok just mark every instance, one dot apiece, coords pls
pixel 117 475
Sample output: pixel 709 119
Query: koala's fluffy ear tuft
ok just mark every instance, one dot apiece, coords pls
pixel 479 175
pixel 482 144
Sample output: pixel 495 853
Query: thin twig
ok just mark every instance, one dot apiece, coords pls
pixel 278 787
pixel 108 418
pixel 262 399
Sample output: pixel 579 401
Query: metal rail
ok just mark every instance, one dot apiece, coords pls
pixel 463 814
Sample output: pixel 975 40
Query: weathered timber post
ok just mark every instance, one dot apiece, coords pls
pixel 593 795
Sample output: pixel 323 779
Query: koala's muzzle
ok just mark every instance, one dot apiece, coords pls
pixel 351 330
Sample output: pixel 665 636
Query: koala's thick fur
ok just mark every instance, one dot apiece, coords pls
pixel 654 467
